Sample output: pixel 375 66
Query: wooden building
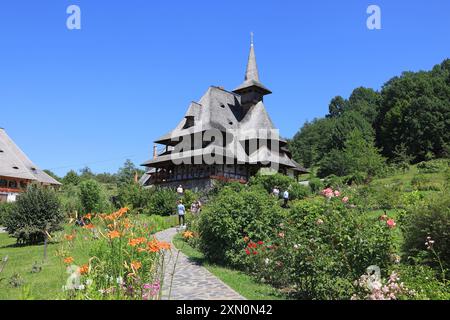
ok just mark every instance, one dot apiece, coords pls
pixel 17 171
pixel 205 144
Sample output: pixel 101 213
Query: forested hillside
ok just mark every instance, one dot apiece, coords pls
pixel 408 121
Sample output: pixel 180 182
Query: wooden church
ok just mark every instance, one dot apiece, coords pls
pixel 227 135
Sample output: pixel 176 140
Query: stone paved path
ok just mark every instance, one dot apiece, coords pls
pixel 190 280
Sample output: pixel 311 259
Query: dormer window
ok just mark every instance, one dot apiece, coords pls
pixel 189 122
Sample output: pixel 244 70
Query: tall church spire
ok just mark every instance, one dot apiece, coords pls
pixel 252 90
pixel 252 67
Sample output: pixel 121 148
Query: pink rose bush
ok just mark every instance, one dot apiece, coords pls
pixel 372 287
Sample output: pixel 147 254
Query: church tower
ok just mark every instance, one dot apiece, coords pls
pixel 251 90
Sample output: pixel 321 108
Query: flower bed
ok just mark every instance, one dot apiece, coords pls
pixel 126 261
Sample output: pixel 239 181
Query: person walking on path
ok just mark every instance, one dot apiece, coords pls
pixel 285 198
pixel 181 213
pixel 180 190
pixel 276 192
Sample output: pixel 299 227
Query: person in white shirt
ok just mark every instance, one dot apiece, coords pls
pixel 276 192
pixel 180 190
pixel 286 198
pixel 181 212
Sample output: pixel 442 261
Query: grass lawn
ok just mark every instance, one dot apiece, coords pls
pixel 240 282
pixel 47 284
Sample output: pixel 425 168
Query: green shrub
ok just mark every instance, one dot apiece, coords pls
pixel 163 202
pixel 320 250
pixel 423 280
pixel 316 185
pixel 37 211
pixel 93 199
pixel 70 200
pixel 230 217
pixel 386 197
pixel 431 219
pixel 433 166
pixel 297 191
pixel 189 197
pixel 271 180
pixel 134 196
pixel 334 182
pixel 357 178
pixel 5 210
pixel 422 182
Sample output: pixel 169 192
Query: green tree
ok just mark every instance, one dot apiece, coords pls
pixel 127 172
pixel 91 196
pixel 337 107
pixel 71 178
pixel 86 174
pixel 414 111
pixel 36 214
pixel 359 155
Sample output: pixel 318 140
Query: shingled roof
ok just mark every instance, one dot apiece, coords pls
pixel 15 164
pixel 241 110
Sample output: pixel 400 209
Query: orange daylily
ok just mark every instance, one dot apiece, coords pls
pixel 188 235
pixel 114 234
pixel 69 237
pixel 88 216
pixel 84 269
pixel 165 245
pixel 68 260
pixel 137 241
pixel 89 226
pixel 136 265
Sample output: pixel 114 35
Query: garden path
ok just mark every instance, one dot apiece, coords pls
pixel 190 280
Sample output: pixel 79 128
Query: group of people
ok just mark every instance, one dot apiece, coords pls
pixel 276 194
pixel 181 209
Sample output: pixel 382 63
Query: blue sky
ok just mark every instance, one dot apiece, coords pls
pixel 102 94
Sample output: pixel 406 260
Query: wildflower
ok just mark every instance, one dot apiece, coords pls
pixel 429 243
pixel 89 226
pixel 164 245
pixel 281 234
pixel 296 246
pixel 246 239
pixel 113 234
pixel 247 252
pixel 68 260
pixel 267 261
pixel 69 237
pixel 337 193
pixel 188 234
pixel 255 253
pixel 319 222
pixel 252 245
pixel 391 223
pixel 88 216
pixel 136 242
pixel 84 269
pixel 384 217
pixel 345 199
pixel 260 243
pixel 136 265
pixel 119 280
